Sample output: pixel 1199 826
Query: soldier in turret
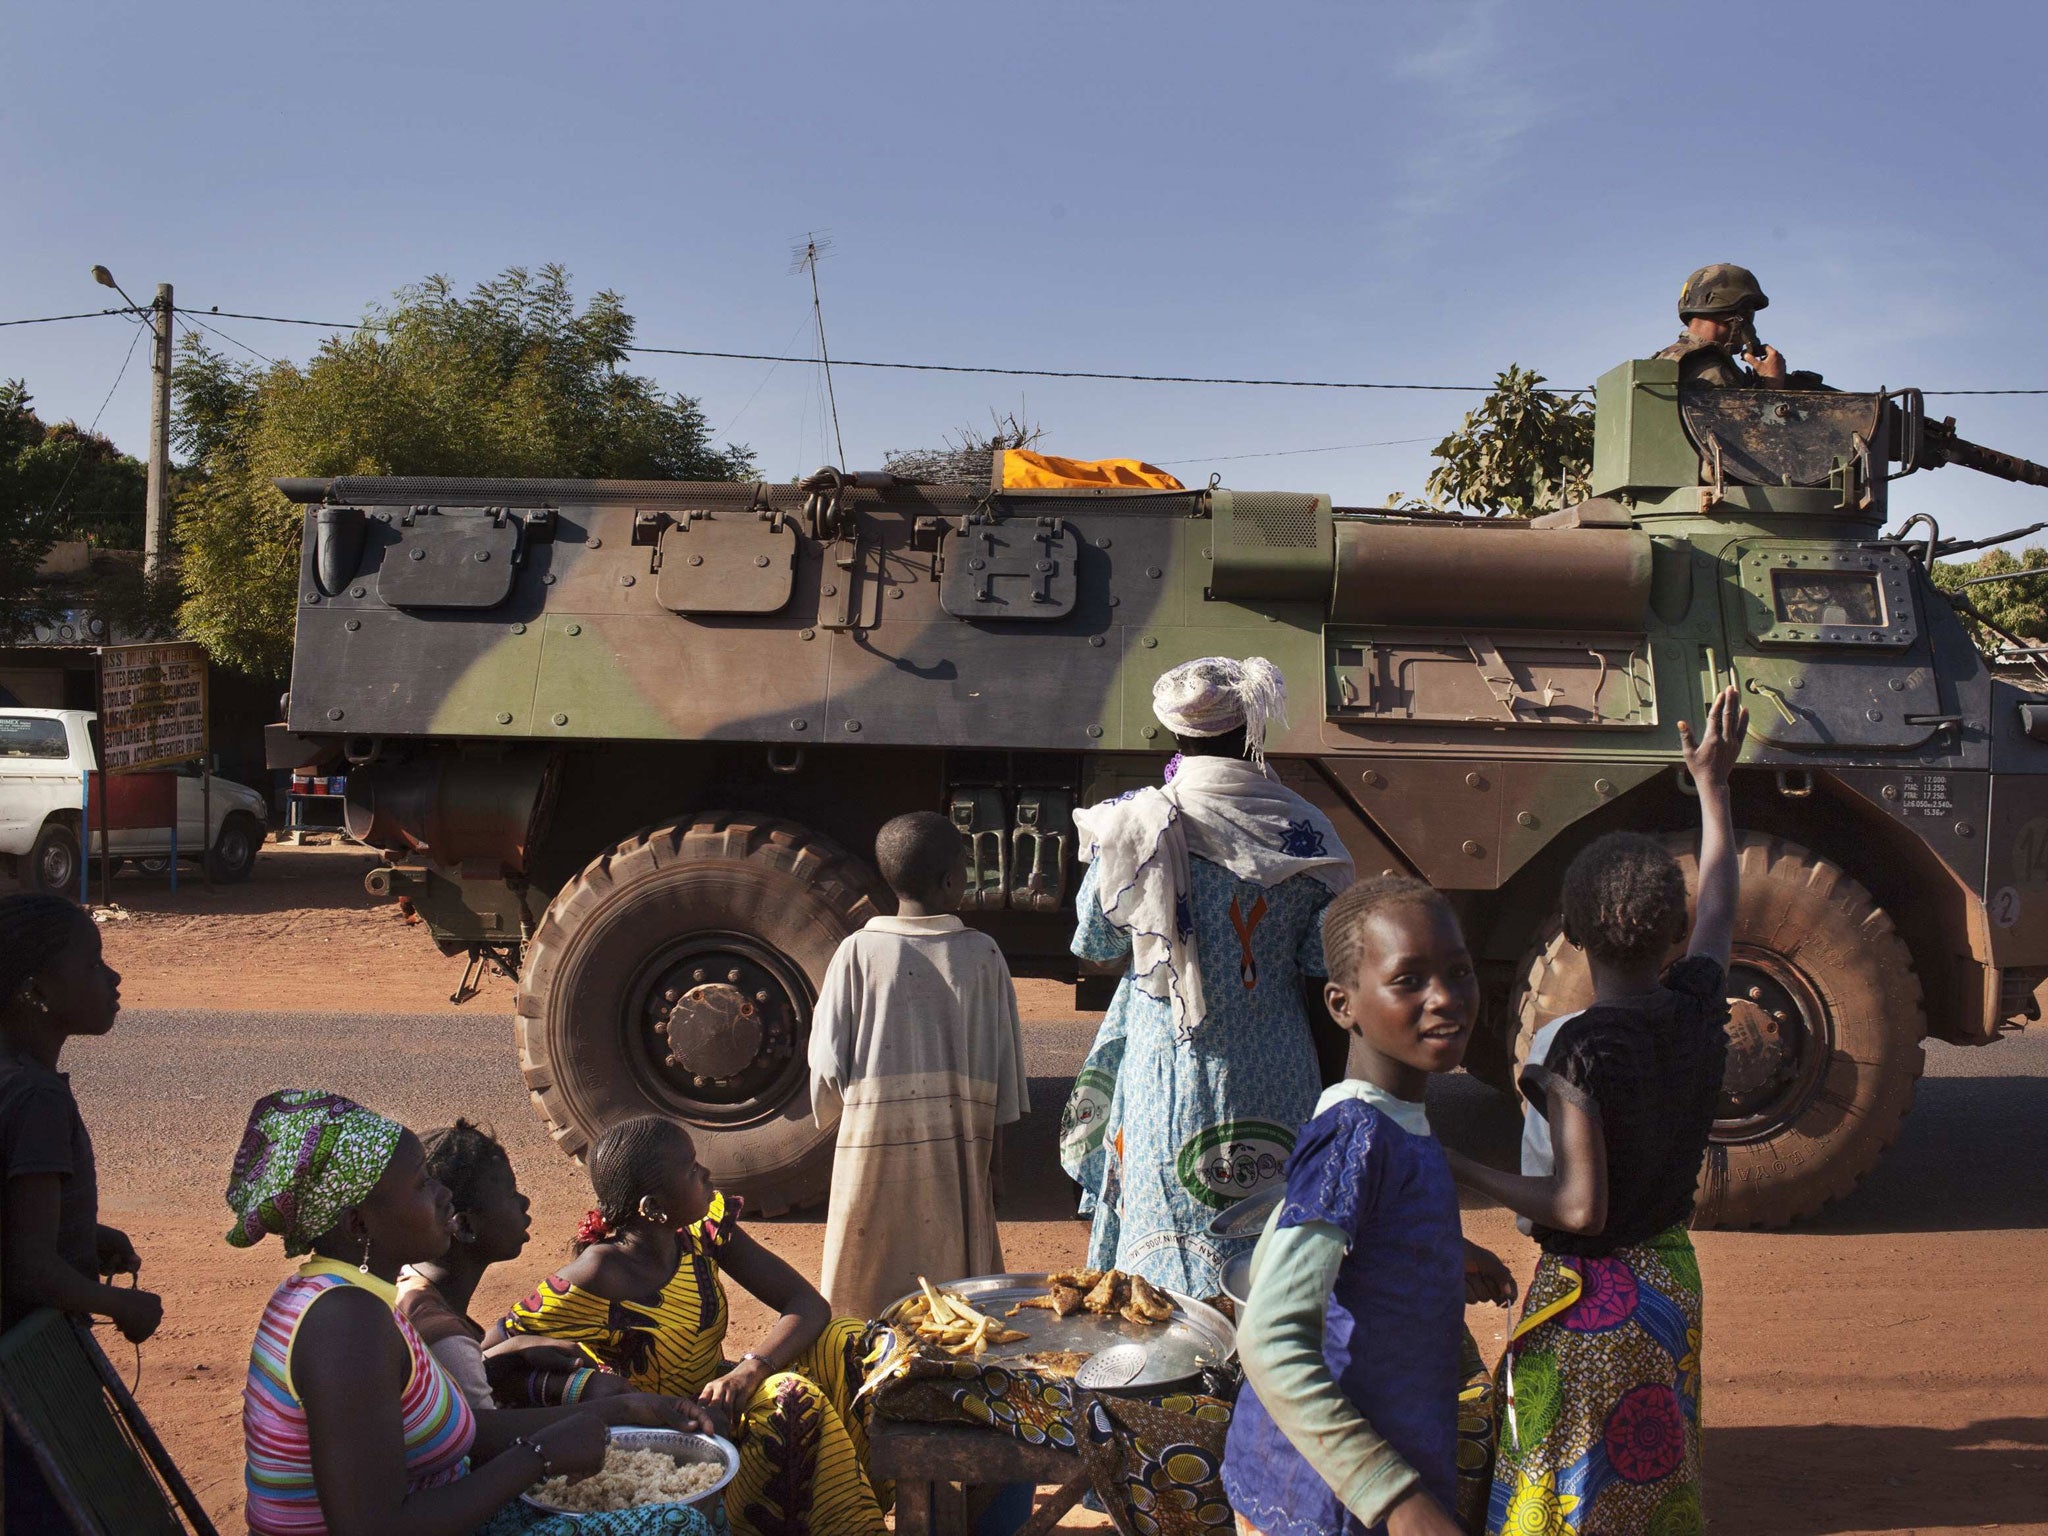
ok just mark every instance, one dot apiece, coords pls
pixel 1718 305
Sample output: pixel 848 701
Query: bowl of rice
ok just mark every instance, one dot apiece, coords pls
pixel 644 1466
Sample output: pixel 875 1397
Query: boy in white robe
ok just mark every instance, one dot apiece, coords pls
pixel 917 1050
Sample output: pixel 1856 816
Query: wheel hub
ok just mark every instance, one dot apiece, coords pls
pixel 1776 1044
pixel 714 1030
pixel 722 1028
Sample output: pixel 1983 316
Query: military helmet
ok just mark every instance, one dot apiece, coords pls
pixel 1720 289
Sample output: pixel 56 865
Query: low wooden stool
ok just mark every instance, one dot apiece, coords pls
pixel 933 1465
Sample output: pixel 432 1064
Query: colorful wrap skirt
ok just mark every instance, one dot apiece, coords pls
pixel 1600 1394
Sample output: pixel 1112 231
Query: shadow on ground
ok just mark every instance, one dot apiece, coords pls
pixel 1820 1479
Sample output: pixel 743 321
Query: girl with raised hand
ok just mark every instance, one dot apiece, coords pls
pixel 1601 1431
pixel 351 1425
pixel 643 1297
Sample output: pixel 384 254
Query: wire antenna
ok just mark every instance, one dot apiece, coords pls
pixel 805 259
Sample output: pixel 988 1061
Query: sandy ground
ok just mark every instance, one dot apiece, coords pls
pixel 1880 1370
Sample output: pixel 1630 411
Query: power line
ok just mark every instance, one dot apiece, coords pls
pixel 224 336
pixel 57 501
pixel 86 314
pixel 1025 373
pixel 1289 453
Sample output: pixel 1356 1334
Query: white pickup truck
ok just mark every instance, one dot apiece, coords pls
pixel 43 756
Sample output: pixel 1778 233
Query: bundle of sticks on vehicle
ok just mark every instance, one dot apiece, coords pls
pixel 945 1319
pixel 1106 1292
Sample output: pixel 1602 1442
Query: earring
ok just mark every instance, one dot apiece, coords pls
pixel 35 1000
pixel 365 1265
pixel 649 1211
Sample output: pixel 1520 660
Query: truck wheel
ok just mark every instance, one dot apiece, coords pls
pixel 1824 1031
pixel 233 858
pixel 53 862
pixel 676 976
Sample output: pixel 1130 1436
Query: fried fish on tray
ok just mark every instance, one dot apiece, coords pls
pixel 1150 1303
pixel 1110 1293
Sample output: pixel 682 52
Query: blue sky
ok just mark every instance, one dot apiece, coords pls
pixel 1419 193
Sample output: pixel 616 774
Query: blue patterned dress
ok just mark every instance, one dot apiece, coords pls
pixel 1164 1135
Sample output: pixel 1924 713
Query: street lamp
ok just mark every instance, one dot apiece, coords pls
pixel 105 279
pixel 159 417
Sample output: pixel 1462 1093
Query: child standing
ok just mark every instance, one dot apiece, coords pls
pixel 916 1049
pixel 1351 1335
pixel 1602 1375
pixel 54 985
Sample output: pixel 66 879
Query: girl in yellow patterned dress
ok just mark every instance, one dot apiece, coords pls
pixel 643 1298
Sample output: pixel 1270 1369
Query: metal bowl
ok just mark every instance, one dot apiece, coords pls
pixel 1248 1217
pixel 1237 1281
pixel 684 1448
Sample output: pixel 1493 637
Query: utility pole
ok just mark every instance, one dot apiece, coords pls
pixel 157 511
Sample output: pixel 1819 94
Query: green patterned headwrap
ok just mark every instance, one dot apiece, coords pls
pixel 305 1158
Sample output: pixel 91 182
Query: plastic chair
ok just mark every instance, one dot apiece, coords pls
pixel 96 1451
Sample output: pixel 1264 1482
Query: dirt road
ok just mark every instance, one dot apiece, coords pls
pixel 1880 1370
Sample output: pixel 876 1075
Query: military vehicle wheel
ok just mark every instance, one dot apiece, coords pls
pixel 1824 1034
pixel 676 976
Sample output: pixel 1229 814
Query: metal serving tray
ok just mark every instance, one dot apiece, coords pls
pixel 1197 1335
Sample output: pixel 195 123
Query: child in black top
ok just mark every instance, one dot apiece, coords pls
pixel 1601 1379
pixel 53 1250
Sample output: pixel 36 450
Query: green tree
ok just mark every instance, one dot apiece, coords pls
pixel 509 380
pixel 2020 608
pixel 55 481
pixel 1524 450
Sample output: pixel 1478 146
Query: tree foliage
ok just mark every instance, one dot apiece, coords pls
pixel 49 476
pixel 2019 608
pixel 1524 450
pixel 508 380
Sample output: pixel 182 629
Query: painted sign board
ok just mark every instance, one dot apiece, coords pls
pixel 152 705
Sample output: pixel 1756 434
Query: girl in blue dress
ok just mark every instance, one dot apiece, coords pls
pixel 1205 1067
pixel 1351 1337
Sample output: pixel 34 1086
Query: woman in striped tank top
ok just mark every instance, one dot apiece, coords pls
pixel 351 1425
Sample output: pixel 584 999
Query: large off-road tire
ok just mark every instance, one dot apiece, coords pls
pixel 1824 1034
pixel 52 866
pixel 676 976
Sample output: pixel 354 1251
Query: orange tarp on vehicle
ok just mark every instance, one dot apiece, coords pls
pixel 1024 470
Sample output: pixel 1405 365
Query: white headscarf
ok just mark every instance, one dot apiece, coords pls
pixel 1225 810
pixel 1218 694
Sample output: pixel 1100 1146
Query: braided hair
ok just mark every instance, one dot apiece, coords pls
pixel 459 1155
pixel 1624 900
pixel 1344 918
pixel 34 930
pixel 625 1163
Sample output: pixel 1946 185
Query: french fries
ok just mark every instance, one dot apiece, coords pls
pixel 945 1319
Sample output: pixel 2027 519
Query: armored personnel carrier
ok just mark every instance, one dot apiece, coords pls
pixel 631 742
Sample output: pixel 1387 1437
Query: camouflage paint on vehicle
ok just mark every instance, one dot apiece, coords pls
pixel 573 708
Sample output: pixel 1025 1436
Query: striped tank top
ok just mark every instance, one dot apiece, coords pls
pixel 436 1421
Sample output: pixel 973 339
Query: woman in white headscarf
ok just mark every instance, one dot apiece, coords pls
pixel 1204 1067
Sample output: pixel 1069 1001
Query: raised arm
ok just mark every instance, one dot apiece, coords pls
pixel 1573 1196
pixel 1711 758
